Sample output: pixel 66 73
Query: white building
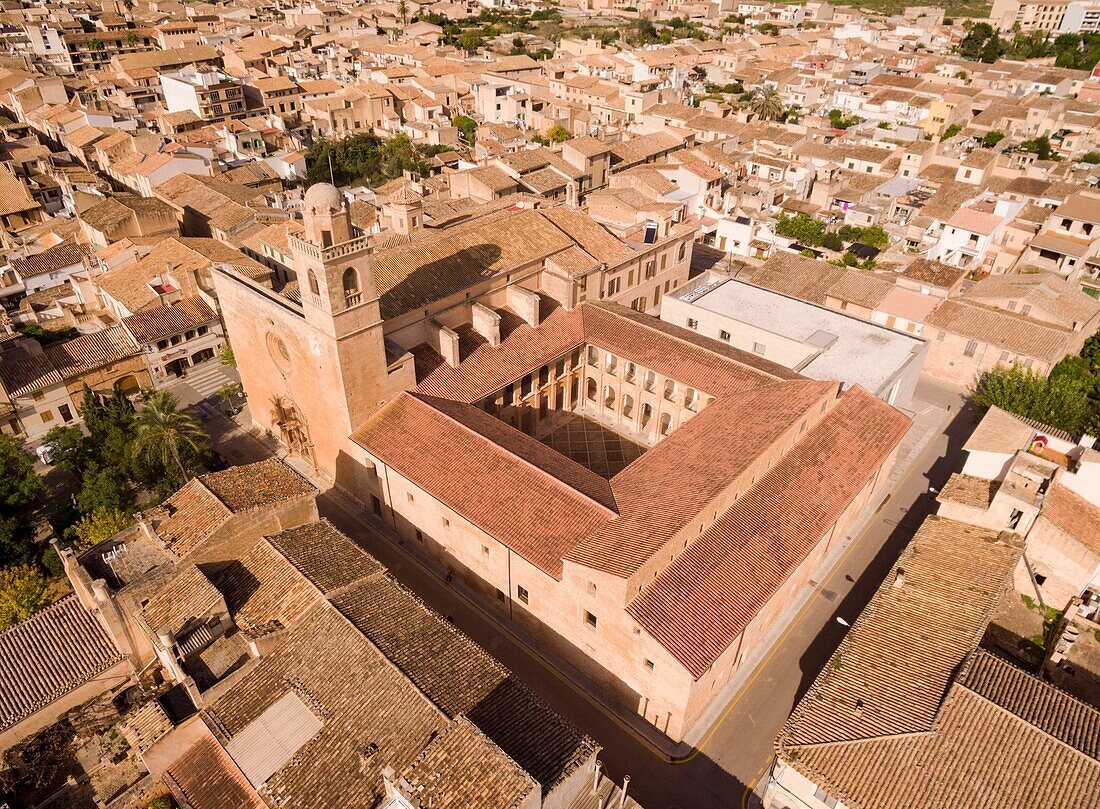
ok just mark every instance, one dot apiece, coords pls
pixel 815 341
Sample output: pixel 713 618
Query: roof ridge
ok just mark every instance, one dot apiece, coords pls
pixel 675 333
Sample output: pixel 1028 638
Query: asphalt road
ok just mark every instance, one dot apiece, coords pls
pixel 734 756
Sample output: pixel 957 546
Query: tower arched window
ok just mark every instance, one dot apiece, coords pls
pixel 316 290
pixel 352 293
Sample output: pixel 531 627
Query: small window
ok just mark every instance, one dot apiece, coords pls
pixel 724 335
pixel 759 348
pixel 693 323
pixel 825 797
pixel 649 664
pixel 590 619
pixel 1040 579
pixel 446 523
pixel 971 348
pixel 484 550
pixel 940 337
pixel 47 416
pixel 1026 309
pixel 419 535
pixel 523 595
pixel 409 495
pixel 613 286
pixel 376 505
pixel 66 413
pixel 591 587
pixel 501 597
pixel 1004 356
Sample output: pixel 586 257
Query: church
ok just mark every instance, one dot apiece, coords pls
pixel 641 500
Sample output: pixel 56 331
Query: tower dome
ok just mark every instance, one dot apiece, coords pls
pixel 323 198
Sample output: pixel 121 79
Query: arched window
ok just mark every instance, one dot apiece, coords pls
pixel 609 397
pixel 666 423
pixel 628 406
pixel 316 290
pixel 683 251
pixel 593 356
pixel 647 414
pixel 352 294
pixel 590 389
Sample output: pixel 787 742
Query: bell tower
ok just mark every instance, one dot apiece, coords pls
pixel 334 266
pixel 335 273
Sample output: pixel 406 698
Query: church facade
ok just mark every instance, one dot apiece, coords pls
pixel 640 499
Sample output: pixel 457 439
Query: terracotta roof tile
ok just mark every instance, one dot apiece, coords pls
pixel 901 654
pixel 1073 514
pixel 164 321
pixel 702 602
pixel 47 656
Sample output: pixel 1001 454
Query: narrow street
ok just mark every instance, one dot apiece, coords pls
pixel 732 758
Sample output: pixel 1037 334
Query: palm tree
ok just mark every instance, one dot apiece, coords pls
pixel 403 10
pixel 767 104
pixel 164 434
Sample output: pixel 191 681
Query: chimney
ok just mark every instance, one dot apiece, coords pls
pixel 524 303
pixel 571 194
pixel 596 777
pixel 99 590
pixel 486 322
pixel 622 796
pixel 899 577
pixel 446 343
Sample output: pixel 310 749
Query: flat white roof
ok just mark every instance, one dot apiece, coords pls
pixel 863 353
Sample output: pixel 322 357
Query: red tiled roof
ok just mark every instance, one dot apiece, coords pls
pixel 1073 514
pixel 164 321
pixel 699 605
pixel 453 463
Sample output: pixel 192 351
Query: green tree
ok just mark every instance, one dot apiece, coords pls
pixel 20 485
pixel 95 44
pixel 228 392
pixel 832 241
pixel 557 134
pixel 838 121
pixel 226 356
pixel 992 138
pixel 951 131
pixel 467 126
pixel 22 593
pixel 166 436
pixel 767 104
pixel 403 11
pixel 1057 401
pixel 804 230
pixel 875 236
pixel 850 233
pixel 106 487
pixel 69 449
pixel 132 39
pixel 1092 158
pixel 98 526
pixel 470 42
